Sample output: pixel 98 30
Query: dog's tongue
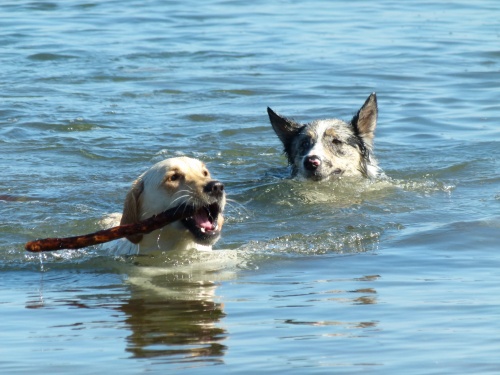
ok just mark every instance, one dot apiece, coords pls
pixel 202 221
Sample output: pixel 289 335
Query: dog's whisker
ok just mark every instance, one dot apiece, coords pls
pixel 179 198
pixel 189 187
pixel 148 213
pixel 181 194
pixel 183 191
pixel 178 207
pixel 184 206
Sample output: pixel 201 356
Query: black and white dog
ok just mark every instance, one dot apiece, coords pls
pixel 330 148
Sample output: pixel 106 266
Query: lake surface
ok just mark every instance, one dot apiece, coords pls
pixel 400 276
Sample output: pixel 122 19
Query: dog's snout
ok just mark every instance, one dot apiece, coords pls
pixel 215 188
pixel 312 163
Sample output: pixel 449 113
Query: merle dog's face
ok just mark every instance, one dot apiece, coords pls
pixel 324 149
pixel 329 148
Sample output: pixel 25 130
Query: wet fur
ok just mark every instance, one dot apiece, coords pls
pixel 168 184
pixel 330 148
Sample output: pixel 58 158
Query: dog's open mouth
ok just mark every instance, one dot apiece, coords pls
pixel 203 224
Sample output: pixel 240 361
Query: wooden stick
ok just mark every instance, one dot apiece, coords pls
pixel 106 235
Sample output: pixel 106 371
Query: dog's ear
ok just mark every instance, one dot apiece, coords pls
pixel 365 121
pixel 131 208
pixel 285 129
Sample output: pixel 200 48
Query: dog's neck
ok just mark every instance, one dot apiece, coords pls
pixel 169 238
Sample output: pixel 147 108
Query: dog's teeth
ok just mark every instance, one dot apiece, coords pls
pixel 202 230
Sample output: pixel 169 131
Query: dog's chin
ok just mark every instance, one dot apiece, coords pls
pixel 203 225
pixel 319 175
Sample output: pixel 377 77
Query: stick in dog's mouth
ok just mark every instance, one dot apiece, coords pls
pixel 146 226
pixel 203 224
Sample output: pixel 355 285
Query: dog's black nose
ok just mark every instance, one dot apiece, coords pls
pixel 214 188
pixel 311 163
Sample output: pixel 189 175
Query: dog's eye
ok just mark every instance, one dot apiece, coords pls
pixel 174 177
pixel 305 143
pixel 336 141
pixel 205 173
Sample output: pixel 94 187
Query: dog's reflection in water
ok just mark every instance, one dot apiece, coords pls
pixel 173 313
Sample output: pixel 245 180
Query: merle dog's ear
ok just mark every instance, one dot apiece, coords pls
pixel 365 121
pixel 285 129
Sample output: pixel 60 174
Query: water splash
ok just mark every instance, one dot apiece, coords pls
pixel 40 257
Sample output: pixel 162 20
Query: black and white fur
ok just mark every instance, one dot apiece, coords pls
pixel 330 148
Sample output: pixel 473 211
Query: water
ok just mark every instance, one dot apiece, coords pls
pixel 386 277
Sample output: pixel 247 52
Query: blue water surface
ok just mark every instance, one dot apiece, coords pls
pixel 380 277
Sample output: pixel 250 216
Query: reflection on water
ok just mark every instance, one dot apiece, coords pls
pixel 182 329
pixel 172 311
pixel 329 322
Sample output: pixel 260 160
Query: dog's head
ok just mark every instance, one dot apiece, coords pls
pixel 177 182
pixel 330 148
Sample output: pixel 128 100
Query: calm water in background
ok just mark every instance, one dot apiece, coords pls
pixel 387 277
